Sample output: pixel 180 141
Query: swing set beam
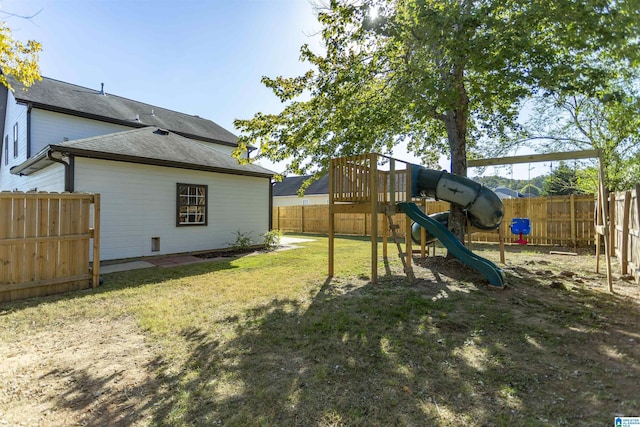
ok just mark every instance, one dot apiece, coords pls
pixel 602 208
pixel 535 158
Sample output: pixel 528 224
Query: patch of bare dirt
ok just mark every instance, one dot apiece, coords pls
pixel 451 268
pixel 81 374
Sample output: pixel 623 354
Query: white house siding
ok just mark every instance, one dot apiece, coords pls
pixel 15 114
pixel 48 127
pixel 138 202
pixel 318 199
pixel 48 179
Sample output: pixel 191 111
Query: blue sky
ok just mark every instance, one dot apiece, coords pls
pixel 194 56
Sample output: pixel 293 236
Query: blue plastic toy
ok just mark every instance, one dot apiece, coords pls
pixel 520 226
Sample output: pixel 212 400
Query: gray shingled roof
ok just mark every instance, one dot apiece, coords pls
pixel 149 145
pixel 54 95
pixel 290 185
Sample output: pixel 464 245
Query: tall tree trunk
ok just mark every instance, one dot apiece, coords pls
pixel 456 123
pixel 458 150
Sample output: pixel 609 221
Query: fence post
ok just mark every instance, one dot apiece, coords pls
pixel 96 240
pixel 572 209
pixel 612 222
pixel 624 249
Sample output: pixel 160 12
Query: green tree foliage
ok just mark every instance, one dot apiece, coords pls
pixel 531 189
pixel 532 186
pixel 563 181
pixel 17 59
pixel 608 121
pixel 438 75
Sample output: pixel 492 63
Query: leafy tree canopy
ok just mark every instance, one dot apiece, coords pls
pixel 437 74
pixel 17 59
pixel 562 181
pixel 608 121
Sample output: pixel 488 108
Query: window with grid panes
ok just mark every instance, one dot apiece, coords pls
pixel 15 140
pixel 191 204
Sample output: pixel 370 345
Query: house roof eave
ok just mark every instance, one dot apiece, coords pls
pixel 100 155
pixel 38 162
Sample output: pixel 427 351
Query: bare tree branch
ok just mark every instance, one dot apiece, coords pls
pixel 15 15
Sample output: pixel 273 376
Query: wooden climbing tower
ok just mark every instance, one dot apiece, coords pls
pixel 371 184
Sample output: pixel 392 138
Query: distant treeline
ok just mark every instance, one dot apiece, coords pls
pixel 533 186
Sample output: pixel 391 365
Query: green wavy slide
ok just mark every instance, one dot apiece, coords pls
pixel 492 272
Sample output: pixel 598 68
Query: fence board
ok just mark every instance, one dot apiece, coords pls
pixel 29 247
pixel 44 243
pixel 42 258
pixel 6 208
pixel 625 226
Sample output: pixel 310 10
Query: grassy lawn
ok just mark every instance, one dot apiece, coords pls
pixel 267 339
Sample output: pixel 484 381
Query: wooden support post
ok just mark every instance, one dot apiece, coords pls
pixel 385 189
pixel 624 244
pixel 423 233
pixel 605 219
pixel 501 243
pixel 384 245
pixel 332 185
pixel 597 229
pixel 392 182
pixel 407 237
pixel 373 193
pixel 96 241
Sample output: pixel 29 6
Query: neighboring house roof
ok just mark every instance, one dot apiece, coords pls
pixel 507 192
pixel 54 95
pixel 290 185
pixel 149 145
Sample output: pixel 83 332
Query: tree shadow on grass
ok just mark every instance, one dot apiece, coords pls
pixel 412 355
pixel 353 353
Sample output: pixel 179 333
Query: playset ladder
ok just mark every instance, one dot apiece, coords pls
pixel 396 238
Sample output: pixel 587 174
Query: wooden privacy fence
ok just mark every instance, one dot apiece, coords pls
pixel 624 211
pixel 558 220
pixel 45 242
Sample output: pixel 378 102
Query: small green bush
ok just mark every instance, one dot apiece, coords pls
pixel 243 241
pixel 272 239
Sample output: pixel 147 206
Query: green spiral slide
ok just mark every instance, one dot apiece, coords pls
pixel 488 269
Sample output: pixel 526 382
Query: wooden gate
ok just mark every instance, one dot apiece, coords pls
pixel 624 209
pixel 45 242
